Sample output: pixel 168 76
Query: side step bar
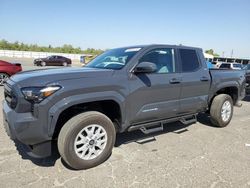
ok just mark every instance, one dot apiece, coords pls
pixel 189 120
pixel 152 129
pixel 156 126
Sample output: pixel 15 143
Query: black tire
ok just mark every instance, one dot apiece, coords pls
pixel 43 64
pixel 71 129
pixel 3 78
pixel 216 108
pixel 65 64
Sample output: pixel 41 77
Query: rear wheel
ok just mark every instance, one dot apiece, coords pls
pixel 221 110
pixel 43 64
pixel 65 64
pixel 3 78
pixel 86 140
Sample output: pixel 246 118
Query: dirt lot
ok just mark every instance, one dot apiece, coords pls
pixel 197 155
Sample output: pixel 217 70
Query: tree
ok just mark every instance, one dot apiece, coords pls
pixel 211 52
pixel 66 48
pixel 15 46
pixel 3 44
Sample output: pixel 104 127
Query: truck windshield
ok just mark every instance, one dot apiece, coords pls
pixel 113 59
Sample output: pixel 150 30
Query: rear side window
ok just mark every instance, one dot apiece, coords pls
pixel 189 60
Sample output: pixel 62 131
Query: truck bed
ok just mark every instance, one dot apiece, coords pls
pixel 221 78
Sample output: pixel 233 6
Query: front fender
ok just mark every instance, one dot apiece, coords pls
pixel 70 101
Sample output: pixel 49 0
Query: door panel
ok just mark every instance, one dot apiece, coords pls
pixel 195 83
pixel 155 95
pixel 57 61
pixel 194 92
pixel 51 61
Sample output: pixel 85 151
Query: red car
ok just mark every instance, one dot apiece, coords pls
pixel 8 69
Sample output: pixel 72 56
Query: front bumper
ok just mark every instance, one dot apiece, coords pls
pixel 248 89
pixel 28 130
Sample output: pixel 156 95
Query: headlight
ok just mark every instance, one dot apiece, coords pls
pixel 37 94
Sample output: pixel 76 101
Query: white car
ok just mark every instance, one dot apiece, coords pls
pixel 236 66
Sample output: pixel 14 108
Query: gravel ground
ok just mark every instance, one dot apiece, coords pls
pixel 197 155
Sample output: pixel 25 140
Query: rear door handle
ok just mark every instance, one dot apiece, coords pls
pixel 175 81
pixel 204 79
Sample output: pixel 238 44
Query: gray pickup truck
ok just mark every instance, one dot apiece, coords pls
pixel 123 89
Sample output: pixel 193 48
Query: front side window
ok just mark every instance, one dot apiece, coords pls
pixel 51 57
pixel 163 59
pixel 189 60
pixel 113 59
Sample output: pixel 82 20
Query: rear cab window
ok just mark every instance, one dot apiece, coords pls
pixel 189 60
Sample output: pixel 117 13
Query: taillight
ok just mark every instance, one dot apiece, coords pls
pixel 18 67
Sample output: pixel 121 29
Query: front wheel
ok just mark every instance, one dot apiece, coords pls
pixel 221 110
pixel 43 64
pixel 3 78
pixel 86 140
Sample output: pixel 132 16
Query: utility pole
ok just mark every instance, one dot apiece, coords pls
pixel 232 52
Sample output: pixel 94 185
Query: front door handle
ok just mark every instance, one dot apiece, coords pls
pixel 175 81
pixel 204 79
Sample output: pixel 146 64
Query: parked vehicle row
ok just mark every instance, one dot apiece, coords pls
pixel 235 66
pixel 124 89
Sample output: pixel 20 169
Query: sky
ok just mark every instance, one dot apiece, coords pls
pixel 223 25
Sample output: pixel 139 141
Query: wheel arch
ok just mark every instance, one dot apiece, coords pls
pixel 63 111
pixel 232 91
pixel 5 73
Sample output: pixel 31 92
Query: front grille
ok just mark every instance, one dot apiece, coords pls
pixel 248 78
pixel 9 96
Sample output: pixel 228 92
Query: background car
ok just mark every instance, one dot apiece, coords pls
pixel 247 68
pixel 54 60
pixel 8 69
pixel 236 66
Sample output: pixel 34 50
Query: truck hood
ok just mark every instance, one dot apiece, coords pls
pixel 45 76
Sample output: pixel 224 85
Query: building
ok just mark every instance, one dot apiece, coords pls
pixel 231 60
pixel 215 60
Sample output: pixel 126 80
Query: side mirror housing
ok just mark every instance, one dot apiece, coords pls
pixel 145 67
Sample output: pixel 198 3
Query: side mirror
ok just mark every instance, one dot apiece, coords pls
pixel 145 67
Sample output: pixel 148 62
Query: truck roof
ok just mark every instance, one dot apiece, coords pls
pixel 161 45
